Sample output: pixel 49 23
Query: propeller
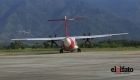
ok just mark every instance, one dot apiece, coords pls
pixel 87 42
pixel 53 42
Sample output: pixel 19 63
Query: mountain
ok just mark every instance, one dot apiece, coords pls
pixel 29 18
pixel 128 9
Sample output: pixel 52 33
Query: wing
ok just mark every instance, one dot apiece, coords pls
pixel 61 38
pixel 99 36
pixel 39 39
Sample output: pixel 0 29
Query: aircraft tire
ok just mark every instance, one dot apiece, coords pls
pixel 61 50
pixel 78 50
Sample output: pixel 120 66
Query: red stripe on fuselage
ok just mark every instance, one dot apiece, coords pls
pixel 72 44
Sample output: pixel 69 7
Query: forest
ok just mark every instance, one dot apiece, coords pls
pixel 52 44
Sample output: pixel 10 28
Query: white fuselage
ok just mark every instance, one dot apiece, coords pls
pixel 70 44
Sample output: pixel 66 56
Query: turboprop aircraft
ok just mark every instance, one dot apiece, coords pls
pixel 69 42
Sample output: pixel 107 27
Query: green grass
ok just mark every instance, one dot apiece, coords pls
pixel 39 51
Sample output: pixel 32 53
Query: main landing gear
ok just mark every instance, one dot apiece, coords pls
pixel 78 50
pixel 61 50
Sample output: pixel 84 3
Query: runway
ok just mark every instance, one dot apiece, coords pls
pixel 70 66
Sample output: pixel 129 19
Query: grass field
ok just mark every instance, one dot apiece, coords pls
pixel 29 51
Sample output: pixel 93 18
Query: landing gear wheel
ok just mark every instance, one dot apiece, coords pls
pixel 61 50
pixel 78 50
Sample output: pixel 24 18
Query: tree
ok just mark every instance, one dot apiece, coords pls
pixel 17 45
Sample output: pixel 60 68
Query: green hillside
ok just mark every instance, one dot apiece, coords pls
pixel 29 18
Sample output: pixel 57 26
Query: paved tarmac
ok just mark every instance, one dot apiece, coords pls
pixel 70 66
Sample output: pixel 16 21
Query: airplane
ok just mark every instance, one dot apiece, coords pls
pixel 69 43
